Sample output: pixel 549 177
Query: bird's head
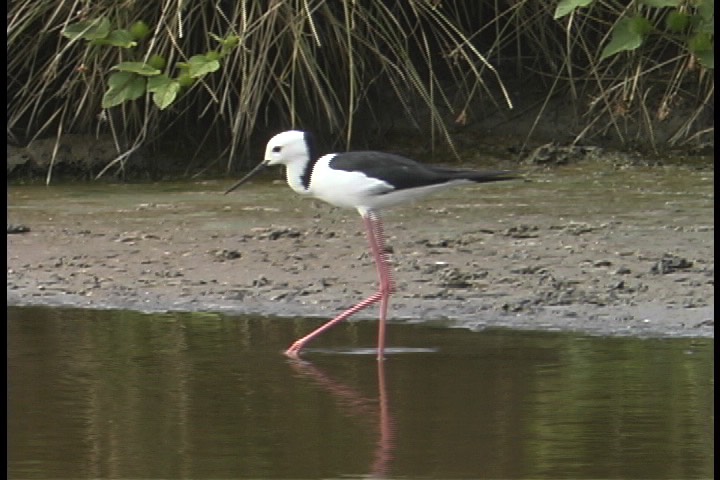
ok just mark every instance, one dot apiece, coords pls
pixel 286 148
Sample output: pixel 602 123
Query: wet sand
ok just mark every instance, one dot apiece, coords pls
pixel 589 248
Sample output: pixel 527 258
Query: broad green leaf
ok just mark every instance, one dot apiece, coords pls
pixel 641 25
pixel 201 65
pixel 157 61
pixel 139 30
pixel 185 80
pixel 701 42
pixel 627 35
pixel 137 67
pixel 88 29
pixel 706 8
pixel 213 55
pixel 707 59
pixel 227 43
pixel 158 82
pixel 565 7
pixel 676 21
pixel 705 16
pixel 705 27
pixel 164 90
pixel 231 41
pixel 661 3
pixel 124 86
pixel 117 38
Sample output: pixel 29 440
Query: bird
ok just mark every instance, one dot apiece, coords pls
pixel 369 182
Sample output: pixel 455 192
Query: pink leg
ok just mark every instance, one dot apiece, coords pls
pixel 373 226
pixel 387 284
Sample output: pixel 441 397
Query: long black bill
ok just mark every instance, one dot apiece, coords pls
pixel 246 177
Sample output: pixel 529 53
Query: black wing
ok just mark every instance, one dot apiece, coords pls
pixel 402 172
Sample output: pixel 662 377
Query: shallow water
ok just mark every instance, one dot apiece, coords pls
pixel 129 395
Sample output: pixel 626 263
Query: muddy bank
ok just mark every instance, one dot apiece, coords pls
pixel 589 247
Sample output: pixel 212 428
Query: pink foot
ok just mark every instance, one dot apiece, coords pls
pixel 294 351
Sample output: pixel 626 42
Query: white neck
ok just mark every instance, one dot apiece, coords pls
pixel 294 172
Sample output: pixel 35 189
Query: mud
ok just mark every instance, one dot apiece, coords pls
pixel 597 248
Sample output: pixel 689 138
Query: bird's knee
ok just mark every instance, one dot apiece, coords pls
pixel 387 290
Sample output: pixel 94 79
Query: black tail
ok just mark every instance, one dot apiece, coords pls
pixel 495 176
pixel 478 175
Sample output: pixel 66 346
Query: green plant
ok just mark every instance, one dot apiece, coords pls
pixel 133 79
pixel 311 63
pixel 692 22
pixel 667 66
pixel 342 68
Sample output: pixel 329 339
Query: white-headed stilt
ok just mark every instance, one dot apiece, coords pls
pixel 367 181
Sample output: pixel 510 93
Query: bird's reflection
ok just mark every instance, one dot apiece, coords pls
pixel 361 406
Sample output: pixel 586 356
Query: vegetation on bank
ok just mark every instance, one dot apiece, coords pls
pixel 196 74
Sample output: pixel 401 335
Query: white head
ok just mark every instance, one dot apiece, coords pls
pixel 287 148
pixel 292 148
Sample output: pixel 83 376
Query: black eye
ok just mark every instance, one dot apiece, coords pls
pixel 276 149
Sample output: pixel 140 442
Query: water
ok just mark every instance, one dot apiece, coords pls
pixel 128 395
